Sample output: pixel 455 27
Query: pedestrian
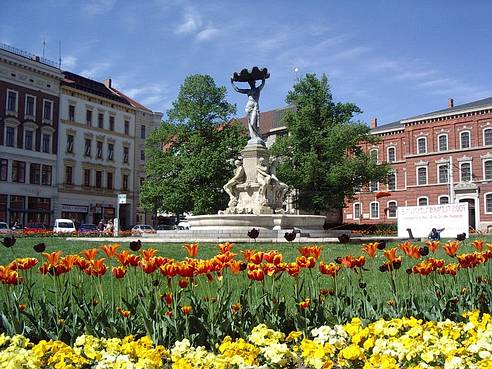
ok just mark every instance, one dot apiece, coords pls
pixel 435 234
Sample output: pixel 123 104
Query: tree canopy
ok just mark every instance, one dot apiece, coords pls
pixel 321 156
pixel 189 155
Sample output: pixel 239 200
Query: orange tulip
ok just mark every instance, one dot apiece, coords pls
pixel 450 269
pixel 52 259
pixel 257 257
pixel 22 307
pixel 478 245
pixel 436 263
pixel 123 313
pixel 25 263
pixel 235 266
pixel 118 272
pixel 110 249
pixel 410 250
pixel 451 247
pixel 186 309
pixel 273 256
pixel 90 254
pixel 314 251
pixel 470 260
pixel 371 249
pixel 133 260
pixel 235 307
pixel 168 297
pixel 169 270
pixel 293 269
pixel 423 268
pixel 148 253
pixel 69 261
pixel 183 283
pixel 256 275
pixel 390 254
pixel 432 245
pixel 329 269
pixel 247 254
pixel 225 247
pixel 191 249
pixel 304 304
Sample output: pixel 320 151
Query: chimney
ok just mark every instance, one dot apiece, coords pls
pixel 374 123
pixel 450 103
pixel 107 83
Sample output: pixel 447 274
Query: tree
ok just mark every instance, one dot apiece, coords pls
pixel 189 155
pixel 321 157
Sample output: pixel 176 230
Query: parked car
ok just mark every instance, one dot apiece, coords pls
pixel 183 225
pixel 4 228
pixel 166 227
pixel 36 227
pixel 88 229
pixel 64 226
pixel 142 229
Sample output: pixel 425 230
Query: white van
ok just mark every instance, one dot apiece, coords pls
pixel 64 226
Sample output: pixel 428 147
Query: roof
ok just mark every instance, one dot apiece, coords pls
pixel 91 86
pixel 393 126
pixel 474 105
pixel 132 102
pixel 270 120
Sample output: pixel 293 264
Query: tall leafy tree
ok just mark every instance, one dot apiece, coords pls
pixel 321 156
pixel 189 156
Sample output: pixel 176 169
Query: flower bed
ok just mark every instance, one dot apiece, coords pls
pixel 396 343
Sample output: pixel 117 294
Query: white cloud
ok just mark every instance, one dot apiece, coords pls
pixel 97 7
pixel 191 23
pixel 68 62
pixel 95 70
pixel 207 34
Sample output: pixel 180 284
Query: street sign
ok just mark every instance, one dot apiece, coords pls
pixel 122 198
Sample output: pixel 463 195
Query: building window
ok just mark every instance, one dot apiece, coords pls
pixel 71 113
pixel 46 142
pixel 100 120
pixel 488 202
pixel 111 123
pixel 87 148
pixel 46 175
pixel 109 181
pixel 70 143
pixel 465 172
pixel 487 136
pixel 125 182
pixel 12 101
pixel 443 173
pixel 392 206
pixel 391 181
pixel 373 186
pixel 88 117
pixel 35 173
pixel 391 154
pixel 142 132
pixel 4 167
pixel 127 127
pixel 444 199
pixel 98 179
pixel 487 169
pixel 30 106
pixel 68 175
pixel 422 176
pixel 9 136
pixel 87 177
pixel 28 139
pixel 48 110
pixel 465 140
pixel 99 150
pixel 357 210
pixel 142 155
pixel 423 201
pixel 375 210
pixel 110 151
pixel 443 142
pixel 18 171
pixel 422 145
pixel 125 155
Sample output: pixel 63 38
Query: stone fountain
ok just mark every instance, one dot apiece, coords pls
pixel 255 193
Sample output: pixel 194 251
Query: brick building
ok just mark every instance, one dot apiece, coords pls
pixel 440 157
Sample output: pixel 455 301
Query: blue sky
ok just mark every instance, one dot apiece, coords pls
pixel 394 59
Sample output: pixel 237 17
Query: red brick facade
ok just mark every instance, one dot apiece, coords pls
pixel 459 138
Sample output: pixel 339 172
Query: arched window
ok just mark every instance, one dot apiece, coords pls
pixel 487 169
pixel 373 186
pixel 373 154
pixel 391 181
pixel 444 199
pixel 443 142
pixel 391 154
pixel 488 202
pixel 423 201
pixel 443 173
pixel 465 139
pixel 422 176
pixel 392 206
pixel 422 145
pixel 465 172
pixel 375 210
pixel 357 210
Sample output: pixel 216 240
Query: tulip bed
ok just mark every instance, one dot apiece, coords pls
pixel 396 343
pixel 105 293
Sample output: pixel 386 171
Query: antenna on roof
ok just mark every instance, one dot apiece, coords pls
pixel 59 54
pixel 44 47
